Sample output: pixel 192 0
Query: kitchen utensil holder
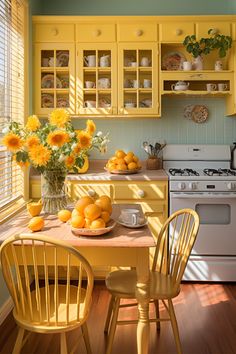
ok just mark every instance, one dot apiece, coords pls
pixel 153 163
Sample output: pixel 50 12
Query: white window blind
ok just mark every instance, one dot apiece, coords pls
pixel 12 90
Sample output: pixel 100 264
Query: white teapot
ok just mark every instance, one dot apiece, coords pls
pixel 180 86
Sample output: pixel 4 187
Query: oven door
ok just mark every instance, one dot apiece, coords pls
pixel 217 212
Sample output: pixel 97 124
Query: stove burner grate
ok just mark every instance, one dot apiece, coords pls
pixel 219 172
pixel 183 172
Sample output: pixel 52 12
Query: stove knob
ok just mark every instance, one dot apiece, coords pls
pixel 231 186
pixel 181 185
pixel 192 185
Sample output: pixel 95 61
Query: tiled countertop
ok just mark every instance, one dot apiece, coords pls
pixel 96 172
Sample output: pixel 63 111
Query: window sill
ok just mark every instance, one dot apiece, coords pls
pixel 12 209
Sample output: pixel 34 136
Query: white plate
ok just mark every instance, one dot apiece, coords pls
pixel 132 226
pixel 94 232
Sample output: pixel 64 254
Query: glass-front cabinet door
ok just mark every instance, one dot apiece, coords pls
pixel 96 79
pixel 138 79
pixel 54 77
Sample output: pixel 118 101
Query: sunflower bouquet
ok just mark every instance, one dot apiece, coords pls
pixel 53 149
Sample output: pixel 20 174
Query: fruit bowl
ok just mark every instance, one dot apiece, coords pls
pixel 123 172
pixel 94 232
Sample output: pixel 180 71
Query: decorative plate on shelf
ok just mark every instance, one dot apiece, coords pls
pixel 199 113
pixel 48 81
pixel 47 100
pixel 123 172
pixel 173 61
pixel 63 59
pixel 94 232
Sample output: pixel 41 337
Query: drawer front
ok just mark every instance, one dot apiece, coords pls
pixel 95 33
pixel 219 27
pixel 175 32
pixel 137 32
pixel 93 190
pixel 54 32
pixel 141 191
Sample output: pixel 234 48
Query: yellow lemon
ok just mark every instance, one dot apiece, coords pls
pixel 36 223
pixel 120 154
pixel 83 203
pixel 78 221
pixel 92 211
pixel 104 203
pixel 64 215
pixel 105 216
pixel 112 167
pixel 122 167
pixel 132 166
pixel 98 224
pixel 128 158
pixel 135 158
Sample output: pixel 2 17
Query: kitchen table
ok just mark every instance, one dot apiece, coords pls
pixel 120 247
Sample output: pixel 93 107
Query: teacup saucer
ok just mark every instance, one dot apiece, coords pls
pixel 121 222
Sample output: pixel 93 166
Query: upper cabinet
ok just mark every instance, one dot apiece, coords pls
pixel 122 66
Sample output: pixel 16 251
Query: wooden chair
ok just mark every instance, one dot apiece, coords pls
pixel 46 306
pixel 174 246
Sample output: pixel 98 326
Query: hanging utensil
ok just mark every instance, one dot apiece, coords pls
pixel 146 147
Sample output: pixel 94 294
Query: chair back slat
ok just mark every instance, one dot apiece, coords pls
pixel 56 294
pixel 175 242
pixel 47 302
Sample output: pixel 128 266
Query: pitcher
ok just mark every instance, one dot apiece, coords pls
pixel 105 60
pixel 90 60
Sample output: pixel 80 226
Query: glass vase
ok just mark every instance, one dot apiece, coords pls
pixel 53 190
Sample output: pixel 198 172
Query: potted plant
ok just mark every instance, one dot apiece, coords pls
pixel 205 45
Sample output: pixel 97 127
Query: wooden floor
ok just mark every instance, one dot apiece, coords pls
pixel 206 314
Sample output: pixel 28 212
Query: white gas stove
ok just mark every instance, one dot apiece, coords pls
pixel 200 178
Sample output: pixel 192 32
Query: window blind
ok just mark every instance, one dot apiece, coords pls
pixel 12 90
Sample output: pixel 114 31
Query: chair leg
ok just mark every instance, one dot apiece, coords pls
pixel 85 333
pixel 109 314
pixel 111 333
pixel 19 340
pixel 174 327
pixel 158 324
pixel 63 343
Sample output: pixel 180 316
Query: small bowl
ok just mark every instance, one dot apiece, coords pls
pixel 34 208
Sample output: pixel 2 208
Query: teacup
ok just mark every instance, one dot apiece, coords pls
pixel 222 87
pixel 145 61
pixel 89 84
pixel 131 217
pixel 104 82
pixel 133 64
pixel 134 83
pixel 129 104
pixel 211 87
pixel 90 60
pixel 90 104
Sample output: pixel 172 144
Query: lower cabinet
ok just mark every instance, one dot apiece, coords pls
pixel 151 195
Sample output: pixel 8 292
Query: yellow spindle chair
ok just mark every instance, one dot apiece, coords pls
pixel 174 246
pixel 46 306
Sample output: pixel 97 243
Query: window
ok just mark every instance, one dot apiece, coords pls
pixel 12 91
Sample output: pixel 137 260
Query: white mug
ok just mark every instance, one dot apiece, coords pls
pixel 104 82
pixel 90 60
pixel 222 87
pixel 90 104
pixel 133 64
pixel 147 83
pixel 89 84
pixel 145 61
pixel 131 216
pixel 211 87
pixel 187 65
pixel 105 61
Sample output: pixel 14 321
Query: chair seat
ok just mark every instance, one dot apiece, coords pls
pixel 37 325
pixel 122 283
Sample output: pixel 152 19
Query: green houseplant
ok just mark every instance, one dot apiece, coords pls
pixel 204 46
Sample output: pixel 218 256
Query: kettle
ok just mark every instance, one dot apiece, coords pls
pixel 233 157
pixel 180 86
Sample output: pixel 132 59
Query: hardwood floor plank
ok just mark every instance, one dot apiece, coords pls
pixel 206 315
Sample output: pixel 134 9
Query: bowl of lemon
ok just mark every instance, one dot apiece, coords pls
pixel 123 163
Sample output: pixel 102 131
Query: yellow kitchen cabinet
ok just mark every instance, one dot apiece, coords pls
pixel 220 27
pixel 95 32
pixel 54 67
pixel 175 31
pixel 96 79
pixel 94 190
pixel 54 32
pixel 138 90
pixel 137 32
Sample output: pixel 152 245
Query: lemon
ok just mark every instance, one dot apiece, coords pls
pixel 36 223
pixel 64 215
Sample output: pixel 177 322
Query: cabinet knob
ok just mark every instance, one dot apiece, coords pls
pixel 139 32
pixel 141 193
pixel 178 31
pixel 54 31
pixel 97 33
pixel 91 193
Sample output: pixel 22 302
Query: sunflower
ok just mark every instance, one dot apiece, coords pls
pixel 13 142
pixel 33 123
pixel 91 127
pixel 77 149
pixel 85 139
pixel 57 138
pixel 32 140
pixel 70 161
pixel 59 117
pixel 39 155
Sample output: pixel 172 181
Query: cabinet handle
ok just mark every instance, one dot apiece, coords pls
pixel 97 33
pixel 54 31
pixel 178 31
pixel 139 32
pixel 91 192
pixel 141 193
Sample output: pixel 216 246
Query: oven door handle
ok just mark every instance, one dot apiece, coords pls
pixel 207 195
